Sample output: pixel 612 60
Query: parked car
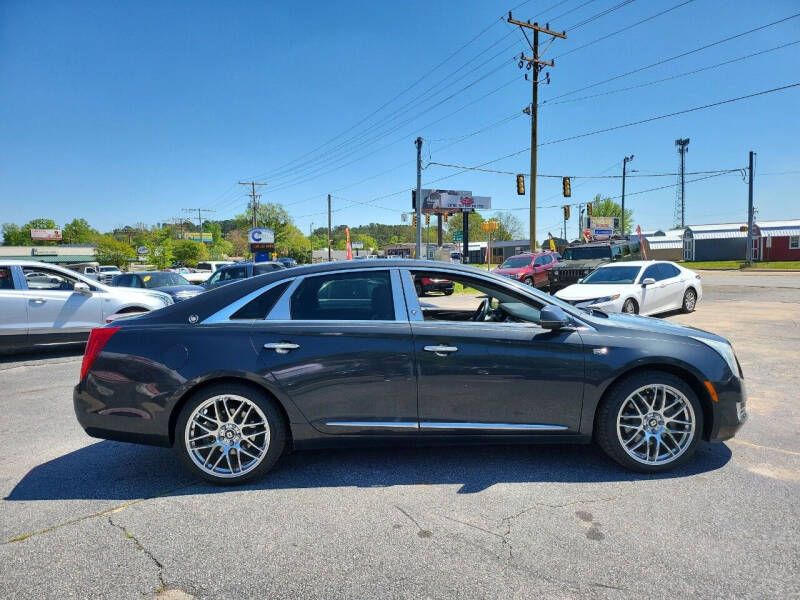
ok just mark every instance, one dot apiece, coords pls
pixel 205 270
pixel 456 257
pixel 164 281
pixel 424 285
pixel 287 261
pixel 530 268
pixel 580 259
pixel 103 273
pixel 341 353
pixel 638 287
pixel 47 304
pixel 241 270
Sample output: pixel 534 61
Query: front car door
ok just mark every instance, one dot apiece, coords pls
pixel 339 345
pixel 654 296
pixel 56 312
pixel 481 372
pixel 13 309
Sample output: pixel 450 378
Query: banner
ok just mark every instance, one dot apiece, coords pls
pixel 46 235
pixel 348 247
pixel 641 241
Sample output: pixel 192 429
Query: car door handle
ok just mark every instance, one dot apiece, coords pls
pixel 282 347
pixel 440 350
pixel 38 300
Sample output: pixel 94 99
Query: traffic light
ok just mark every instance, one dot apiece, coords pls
pixel 566 212
pixel 565 186
pixel 589 209
pixel 414 220
pixel 427 218
pixel 520 185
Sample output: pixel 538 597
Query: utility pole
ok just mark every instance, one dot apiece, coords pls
pixel 680 206
pixel 439 230
pixel 625 162
pixel 200 212
pixel 418 143
pixel 255 197
pixel 533 63
pixel 329 228
pixel 750 215
pixel 311 239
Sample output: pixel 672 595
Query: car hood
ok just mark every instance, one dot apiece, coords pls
pixel 174 289
pixel 581 264
pixel 580 291
pixel 649 325
pixel 500 271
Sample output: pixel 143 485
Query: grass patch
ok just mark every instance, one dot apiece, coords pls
pixel 739 264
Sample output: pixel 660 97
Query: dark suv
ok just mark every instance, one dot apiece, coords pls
pixel 580 259
pixel 241 270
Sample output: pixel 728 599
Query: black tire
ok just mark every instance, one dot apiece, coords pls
pixel 689 301
pixel 448 292
pixel 420 291
pixel 630 307
pixel 528 281
pixel 274 418
pixel 605 428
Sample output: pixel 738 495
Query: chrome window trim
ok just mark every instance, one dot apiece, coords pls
pixel 282 309
pixel 492 426
pixel 224 314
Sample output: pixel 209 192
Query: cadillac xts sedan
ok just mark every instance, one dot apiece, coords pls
pixel 345 353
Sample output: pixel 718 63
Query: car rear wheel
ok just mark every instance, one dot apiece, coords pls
pixel 528 281
pixel 650 422
pixel 448 292
pixel 689 300
pixel 630 307
pixel 230 433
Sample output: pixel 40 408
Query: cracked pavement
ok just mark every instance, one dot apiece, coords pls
pixel 86 518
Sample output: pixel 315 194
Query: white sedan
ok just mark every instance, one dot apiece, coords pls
pixel 637 287
pixel 43 304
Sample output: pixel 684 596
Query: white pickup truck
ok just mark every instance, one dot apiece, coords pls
pixel 103 273
pixel 205 270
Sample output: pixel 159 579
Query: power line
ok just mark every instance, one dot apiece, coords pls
pixel 677 56
pixel 452 166
pixel 608 11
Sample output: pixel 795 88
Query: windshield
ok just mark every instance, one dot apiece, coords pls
pixel 155 280
pixel 587 252
pixel 107 269
pixel 516 262
pixel 613 275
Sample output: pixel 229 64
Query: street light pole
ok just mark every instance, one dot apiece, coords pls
pixel 625 162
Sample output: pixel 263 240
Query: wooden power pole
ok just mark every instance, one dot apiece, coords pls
pixel 536 65
pixel 255 197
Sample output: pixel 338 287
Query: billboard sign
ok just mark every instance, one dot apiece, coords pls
pixel 261 238
pixel 450 201
pixel 195 236
pixel 357 245
pixel 46 235
pixel 603 227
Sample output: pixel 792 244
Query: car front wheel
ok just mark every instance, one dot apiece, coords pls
pixel 650 422
pixel 528 281
pixel 689 301
pixel 230 433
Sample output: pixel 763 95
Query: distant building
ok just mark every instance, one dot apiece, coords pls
pixel 664 245
pixel 780 240
pixel 719 241
pixel 68 255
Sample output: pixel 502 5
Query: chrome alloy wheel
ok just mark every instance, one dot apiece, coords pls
pixel 656 424
pixel 689 300
pixel 227 436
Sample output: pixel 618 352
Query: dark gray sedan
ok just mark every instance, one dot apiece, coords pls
pixel 344 353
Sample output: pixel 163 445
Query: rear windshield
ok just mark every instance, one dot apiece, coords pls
pixel 587 252
pixel 613 275
pixel 516 262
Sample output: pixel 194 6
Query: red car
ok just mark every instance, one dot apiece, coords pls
pixel 530 268
pixel 423 285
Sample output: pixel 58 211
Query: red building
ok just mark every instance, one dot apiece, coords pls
pixel 780 240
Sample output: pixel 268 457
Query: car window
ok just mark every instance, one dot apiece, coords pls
pixel 547 259
pixel 587 252
pixel 626 250
pixel 360 296
pixel 265 268
pixel 667 270
pixel 45 279
pixel 635 248
pixel 259 307
pixel 539 261
pixel 652 271
pixel 204 266
pixel 516 262
pixel 613 275
pixel 6 280
pixel 476 300
pixel 232 273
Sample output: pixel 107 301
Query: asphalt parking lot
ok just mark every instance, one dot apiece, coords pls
pixel 88 518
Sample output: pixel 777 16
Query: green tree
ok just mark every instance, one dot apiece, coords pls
pixel 78 231
pixel 110 251
pixel 189 252
pixel 509 227
pixel 14 236
pixel 220 247
pixel 476 234
pixel 606 207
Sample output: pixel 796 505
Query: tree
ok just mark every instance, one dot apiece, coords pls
pixel 220 247
pixel 13 235
pixel 78 231
pixel 606 207
pixel 238 240
pixel 509 227
pixel 476 234
pixel 189 252
pixel 112 252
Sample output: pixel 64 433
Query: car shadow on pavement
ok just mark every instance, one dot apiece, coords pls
pixel 45 353
pixel 117 471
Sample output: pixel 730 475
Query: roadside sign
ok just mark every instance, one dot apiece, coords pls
pixel 458 236
pixel 261 235
pixel 450 201
pixel 142 250
pixel 357 245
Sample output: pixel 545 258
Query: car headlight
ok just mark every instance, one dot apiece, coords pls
pixel 724 349
pixel 165 299
pixel 606 299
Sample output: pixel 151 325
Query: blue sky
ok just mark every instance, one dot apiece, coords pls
pixel 125 112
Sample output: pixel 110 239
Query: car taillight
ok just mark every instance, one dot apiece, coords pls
pixel 97 339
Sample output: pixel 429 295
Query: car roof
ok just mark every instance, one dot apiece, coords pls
pixel 635 263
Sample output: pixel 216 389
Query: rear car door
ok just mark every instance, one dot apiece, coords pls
pixel 339 344
pixel 673 283
pixel 55 310
pixel 13 309
pixel 494 377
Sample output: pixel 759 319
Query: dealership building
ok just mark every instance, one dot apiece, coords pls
pixel 67 255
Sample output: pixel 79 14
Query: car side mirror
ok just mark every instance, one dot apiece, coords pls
pixel 580 280
pixel 82 288
pixel 553 317
pixel 648 281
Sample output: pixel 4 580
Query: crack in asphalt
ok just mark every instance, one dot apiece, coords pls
pixel 102 513
pixel 162 586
